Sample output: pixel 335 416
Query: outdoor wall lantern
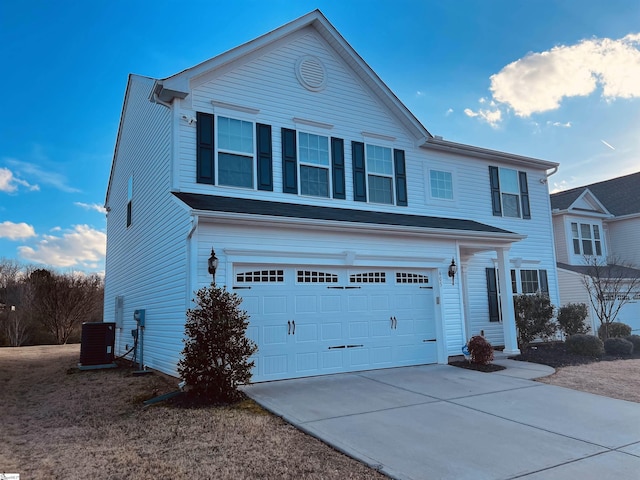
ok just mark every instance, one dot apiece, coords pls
pixel 453 269
pixel 213 264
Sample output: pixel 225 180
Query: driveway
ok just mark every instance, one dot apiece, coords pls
pixel 444 422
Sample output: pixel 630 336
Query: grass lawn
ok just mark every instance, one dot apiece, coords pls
pixel 58 422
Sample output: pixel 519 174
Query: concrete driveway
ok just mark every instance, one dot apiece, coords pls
pixel 444 422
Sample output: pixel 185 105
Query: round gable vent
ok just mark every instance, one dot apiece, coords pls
pixel 311 73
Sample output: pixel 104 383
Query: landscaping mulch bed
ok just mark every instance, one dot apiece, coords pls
pixel 556 355
pixel 490 367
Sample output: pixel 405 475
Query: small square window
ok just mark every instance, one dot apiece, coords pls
pixel 441 184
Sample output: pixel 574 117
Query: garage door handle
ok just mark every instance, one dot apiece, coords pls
pixel 293 324
pixel 394 323
pixel 288 327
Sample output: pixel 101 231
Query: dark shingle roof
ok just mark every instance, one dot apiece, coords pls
pixel 291 210
pixel 621 196
pixel 616 271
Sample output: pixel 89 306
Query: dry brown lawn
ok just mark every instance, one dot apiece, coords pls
pixel 57 422
pixel 616 379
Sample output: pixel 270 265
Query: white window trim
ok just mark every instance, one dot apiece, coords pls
pixel 302 163
pixel 368 172
pixel 233 152
pixel 591 224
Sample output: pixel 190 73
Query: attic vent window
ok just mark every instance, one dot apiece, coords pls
pixel 311 73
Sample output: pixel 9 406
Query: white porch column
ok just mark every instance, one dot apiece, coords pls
pixel 506 303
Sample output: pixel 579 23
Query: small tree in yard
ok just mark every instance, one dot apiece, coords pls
pixel 533 318
pixel 215 358
pixel 571 319
pixel 611 285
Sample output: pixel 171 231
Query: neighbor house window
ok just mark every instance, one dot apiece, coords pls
pixel 379 174
pixel 441 184
pixel 586 239
pixel 314 164
pixel 509 193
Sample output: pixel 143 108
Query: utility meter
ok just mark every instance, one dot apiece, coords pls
pixel 138 316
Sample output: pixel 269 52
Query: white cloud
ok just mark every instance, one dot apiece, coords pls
pixel 540 81
pixel 449 112
pixel 419 93
pixel 91 206
pixel 559 124
pixel 9 183
pixel 492 117
pixel 15 231
pixel 81 247
pixel 44 177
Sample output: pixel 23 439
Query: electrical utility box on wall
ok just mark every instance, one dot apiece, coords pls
pixel 97 347
pixel 138 316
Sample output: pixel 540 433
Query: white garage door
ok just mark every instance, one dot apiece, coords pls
pixel 314 321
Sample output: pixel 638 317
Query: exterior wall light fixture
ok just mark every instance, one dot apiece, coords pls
pixel 453 269
pixel 212 264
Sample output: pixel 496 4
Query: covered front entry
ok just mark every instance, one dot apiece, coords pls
pixel 315 320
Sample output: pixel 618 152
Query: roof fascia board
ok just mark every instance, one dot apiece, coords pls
pixel 486 154
pixel 252 219
pixel 629 216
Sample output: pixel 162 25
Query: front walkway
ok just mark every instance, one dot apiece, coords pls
pixel 444 422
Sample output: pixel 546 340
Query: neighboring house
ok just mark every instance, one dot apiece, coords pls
pixel 600 220
pixel 333 212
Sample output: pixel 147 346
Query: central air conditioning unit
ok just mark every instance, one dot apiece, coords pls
pixel 97 347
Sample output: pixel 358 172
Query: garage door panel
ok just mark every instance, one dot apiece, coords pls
pixel 380 303
pixel 381 328
pixel 331 331
pixel 330 304
pixel 358 330
pixel 332 359
pixel 306 304
pixel 274 335
pixel 307 362
pixel 275 365
pixel 306 333
pixel 274 305
pixel 358 304
pixel 381 356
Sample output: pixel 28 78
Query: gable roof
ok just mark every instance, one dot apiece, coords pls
pixel 620 196
pixel 178 85
pixel 616 271
pixel 214 203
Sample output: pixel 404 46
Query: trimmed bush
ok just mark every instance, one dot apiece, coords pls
pixel 615 330
pixel 618 346
pixel 480 350
pixel 585 345
pixel 215 358
pixel 635 340
pixel 533 318
pixel 571 319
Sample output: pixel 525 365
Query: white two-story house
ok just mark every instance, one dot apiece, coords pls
pixel 599 221
pixel 333 212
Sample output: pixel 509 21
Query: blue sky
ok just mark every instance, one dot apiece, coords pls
pixel 556 80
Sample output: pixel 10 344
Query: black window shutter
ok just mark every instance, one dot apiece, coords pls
pixel 337 164
pixel 289 161
pixel 265 165
pixel 494 178
pixel 492 291
pixel 401 178
pixel 205 165
pixel 544 284
pixel 359 172
pixel 524 195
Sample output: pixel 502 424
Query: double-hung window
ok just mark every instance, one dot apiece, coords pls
pixel 509 193
pixel 586 239
pixel 379 174
pixel 235 152
pixel 314 164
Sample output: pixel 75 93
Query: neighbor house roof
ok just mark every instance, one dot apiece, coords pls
pixel 621 196
pixel 615 271
pixel 214 203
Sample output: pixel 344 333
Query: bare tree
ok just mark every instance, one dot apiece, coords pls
pixel 611 285
pixel 61 302
pixel 13 321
